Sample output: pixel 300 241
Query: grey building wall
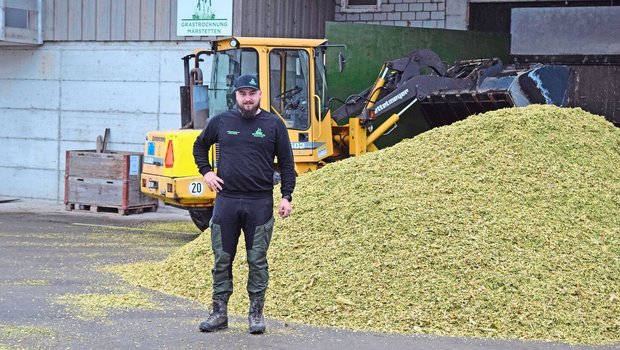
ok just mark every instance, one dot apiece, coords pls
pixel 283 18
pixel 442 14
pixel 449 14
pixel 403 13
pixel 116 64
pixel 155 20
pixel 109 64
pixel 110 20
pixel 61 96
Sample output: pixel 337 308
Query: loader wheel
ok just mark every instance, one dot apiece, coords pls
pixel 201 217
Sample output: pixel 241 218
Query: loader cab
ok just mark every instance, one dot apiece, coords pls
pixel 291 74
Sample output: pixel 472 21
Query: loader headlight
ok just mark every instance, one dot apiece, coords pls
pixel 234 43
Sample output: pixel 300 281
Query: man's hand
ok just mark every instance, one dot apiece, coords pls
pixel 284 208
pixel 213 181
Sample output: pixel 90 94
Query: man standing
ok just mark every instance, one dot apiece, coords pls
pixel 249 138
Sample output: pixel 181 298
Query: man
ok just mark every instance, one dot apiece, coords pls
pixel 249 139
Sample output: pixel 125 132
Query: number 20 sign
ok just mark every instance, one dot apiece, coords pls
pixel 196 188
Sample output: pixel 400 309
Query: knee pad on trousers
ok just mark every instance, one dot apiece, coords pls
pixel 258 278
pixel 222 268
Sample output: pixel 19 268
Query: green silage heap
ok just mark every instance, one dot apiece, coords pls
pixel 504 225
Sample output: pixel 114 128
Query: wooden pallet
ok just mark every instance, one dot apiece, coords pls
pixel 111 209
pixel 105 183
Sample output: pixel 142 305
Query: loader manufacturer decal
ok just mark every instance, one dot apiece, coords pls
pixel 306 145
pixel 153 161
pixel 389 102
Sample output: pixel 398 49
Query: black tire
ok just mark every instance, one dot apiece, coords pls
pixel 201 217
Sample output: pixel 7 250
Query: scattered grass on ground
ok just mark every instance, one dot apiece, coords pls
pixel 11 334
pixel 91 306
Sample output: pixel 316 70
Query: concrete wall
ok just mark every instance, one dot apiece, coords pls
pixel 61 96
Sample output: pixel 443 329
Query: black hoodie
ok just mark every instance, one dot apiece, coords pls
pixel 247 148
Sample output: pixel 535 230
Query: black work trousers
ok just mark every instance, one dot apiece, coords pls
pixel 230 216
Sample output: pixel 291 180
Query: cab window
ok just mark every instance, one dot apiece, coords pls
pixel 227 66
pixel 289 84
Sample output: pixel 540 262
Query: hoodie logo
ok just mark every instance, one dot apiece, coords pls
pixel 258 133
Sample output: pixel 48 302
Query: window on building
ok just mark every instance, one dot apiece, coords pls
pixel 360 5
pixel 16 18
pixel 20 21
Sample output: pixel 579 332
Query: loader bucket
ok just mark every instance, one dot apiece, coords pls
pixel 445 109
pixel 538 84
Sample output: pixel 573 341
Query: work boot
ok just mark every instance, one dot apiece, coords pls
pixel 218 318
pixel 257 322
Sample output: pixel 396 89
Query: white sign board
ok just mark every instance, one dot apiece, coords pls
pixel 204 17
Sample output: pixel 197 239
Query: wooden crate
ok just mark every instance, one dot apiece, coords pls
pixel 105 182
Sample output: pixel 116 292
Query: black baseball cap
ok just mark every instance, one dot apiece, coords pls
pixel 246 81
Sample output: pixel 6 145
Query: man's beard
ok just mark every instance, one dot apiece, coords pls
pixel 248 113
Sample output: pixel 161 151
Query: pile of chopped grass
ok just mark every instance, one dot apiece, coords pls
pixel 503 225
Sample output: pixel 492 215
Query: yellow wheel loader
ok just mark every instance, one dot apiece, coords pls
pixel 291 74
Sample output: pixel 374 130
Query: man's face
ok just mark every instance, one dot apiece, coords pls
pixel 248 101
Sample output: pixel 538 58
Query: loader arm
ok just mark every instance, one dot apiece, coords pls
pixel 393 75
pixel 418 88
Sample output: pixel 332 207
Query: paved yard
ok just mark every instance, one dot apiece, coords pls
pixel 52 287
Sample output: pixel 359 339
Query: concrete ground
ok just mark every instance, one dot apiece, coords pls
pixel 50 265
